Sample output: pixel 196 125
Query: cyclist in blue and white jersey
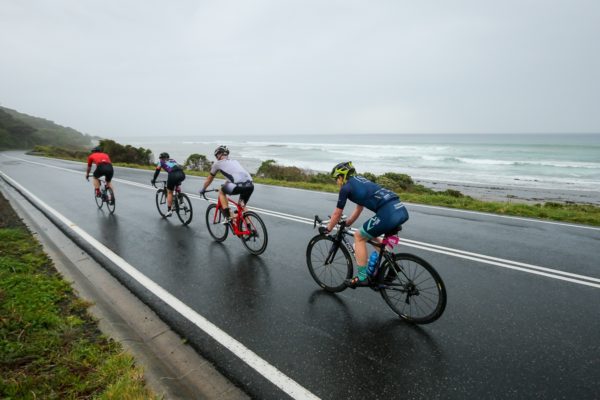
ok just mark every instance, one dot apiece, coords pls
pixel 174 178
pixel 238 180
pixel 389 211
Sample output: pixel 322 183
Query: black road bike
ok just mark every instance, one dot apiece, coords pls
pixel 106 197
pixel 410 286
pixel 182 205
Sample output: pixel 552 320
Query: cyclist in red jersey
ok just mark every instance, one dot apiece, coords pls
pixel 103 168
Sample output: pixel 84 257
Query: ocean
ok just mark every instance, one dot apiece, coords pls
pixel 543 161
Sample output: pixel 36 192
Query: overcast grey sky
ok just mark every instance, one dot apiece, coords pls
pixel 126 68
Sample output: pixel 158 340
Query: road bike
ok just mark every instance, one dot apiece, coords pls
pixel 106 197
pixel 182 205
pixel 246 225
pixel 410 286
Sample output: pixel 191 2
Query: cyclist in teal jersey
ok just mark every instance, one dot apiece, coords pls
pixel 174 178
pixel 389 211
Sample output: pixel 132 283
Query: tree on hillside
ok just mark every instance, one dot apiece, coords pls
pixel 15 134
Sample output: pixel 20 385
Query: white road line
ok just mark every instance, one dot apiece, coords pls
pixel 499 262
pixel 278 378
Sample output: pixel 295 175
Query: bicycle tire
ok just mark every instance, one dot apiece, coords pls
pixel 110 200
pixel 184 208
pixel 99 201
pixel 413 289
pixel 161 202
pixel 332 276
pixel 216 229
pixel 256 242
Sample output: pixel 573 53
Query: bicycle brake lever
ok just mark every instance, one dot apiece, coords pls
pixel 317 219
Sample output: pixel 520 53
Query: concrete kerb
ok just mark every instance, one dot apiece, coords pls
pixel 171 368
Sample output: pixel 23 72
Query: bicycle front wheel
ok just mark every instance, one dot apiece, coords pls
pixel 214 223
pixel 413 289
pixel 329 263
pixel 161 202
pixel 99 201
pixel 110 200
pixel 256 240
pixel 184 209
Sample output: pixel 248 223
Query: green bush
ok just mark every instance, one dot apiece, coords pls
pixel 197 162
pixel 127 153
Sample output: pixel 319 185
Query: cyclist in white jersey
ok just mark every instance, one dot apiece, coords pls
pixel 238 180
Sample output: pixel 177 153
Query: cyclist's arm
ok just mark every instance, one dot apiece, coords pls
pixel 335 217
pixel 208 181
pixel 156 172
pixel 355 215
pixel 89 166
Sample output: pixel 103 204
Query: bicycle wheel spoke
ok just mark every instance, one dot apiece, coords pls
pixel 413 289
pixel 331 275
pixel 256 241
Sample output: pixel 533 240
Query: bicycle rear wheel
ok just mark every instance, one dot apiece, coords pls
pixel 110 200
pixel 184 209
pixel 413 289
pixel 161 202
pixel 329 263
pixel 256 241
pixel 215 225
pixel 99 201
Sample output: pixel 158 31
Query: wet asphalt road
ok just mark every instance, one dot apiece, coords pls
pixel 506 333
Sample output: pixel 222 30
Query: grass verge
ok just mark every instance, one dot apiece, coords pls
pixel 50 347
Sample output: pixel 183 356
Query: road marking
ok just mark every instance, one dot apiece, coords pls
pixel 499 262
pixel 270 372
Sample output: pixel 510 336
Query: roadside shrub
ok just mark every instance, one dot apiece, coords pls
pixel 270 169
pixel 395 181
pixel 127 153
pixel 197 162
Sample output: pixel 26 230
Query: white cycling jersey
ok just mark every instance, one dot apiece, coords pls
pixel 232 170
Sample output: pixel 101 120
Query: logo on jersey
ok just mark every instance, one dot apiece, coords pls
pixel 373 222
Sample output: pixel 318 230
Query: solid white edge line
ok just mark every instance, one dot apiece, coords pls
pixel 420 245
pixel 271 373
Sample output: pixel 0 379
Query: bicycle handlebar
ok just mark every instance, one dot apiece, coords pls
pixel 207 191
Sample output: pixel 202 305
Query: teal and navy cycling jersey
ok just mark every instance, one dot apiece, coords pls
pixel 363 192
pixel 168 165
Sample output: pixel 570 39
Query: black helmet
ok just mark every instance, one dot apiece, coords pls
pixel 345 169
pixel 221 150
pixel 97 149
pixel 164 155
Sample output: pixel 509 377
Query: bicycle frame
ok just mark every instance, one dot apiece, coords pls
pixel 236 219
pixel 340 238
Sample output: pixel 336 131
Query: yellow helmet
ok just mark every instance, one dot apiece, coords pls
pixel 345 169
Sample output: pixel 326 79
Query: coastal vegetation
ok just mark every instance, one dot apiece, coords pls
pixel 50 346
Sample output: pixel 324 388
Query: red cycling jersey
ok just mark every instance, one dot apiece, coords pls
pixel 98 158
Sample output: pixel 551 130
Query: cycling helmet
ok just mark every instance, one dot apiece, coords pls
pixel 345 169
pixel 97 149
pixel 221 150
pixel 164 155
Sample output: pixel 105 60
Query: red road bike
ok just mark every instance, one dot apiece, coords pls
pixel 246 225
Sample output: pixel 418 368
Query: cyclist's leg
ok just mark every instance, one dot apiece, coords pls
pixel 109 175
pixel 226 188
pixel 96 181
pixel 245 193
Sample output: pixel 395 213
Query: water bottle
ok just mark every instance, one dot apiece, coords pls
pixel 371 267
